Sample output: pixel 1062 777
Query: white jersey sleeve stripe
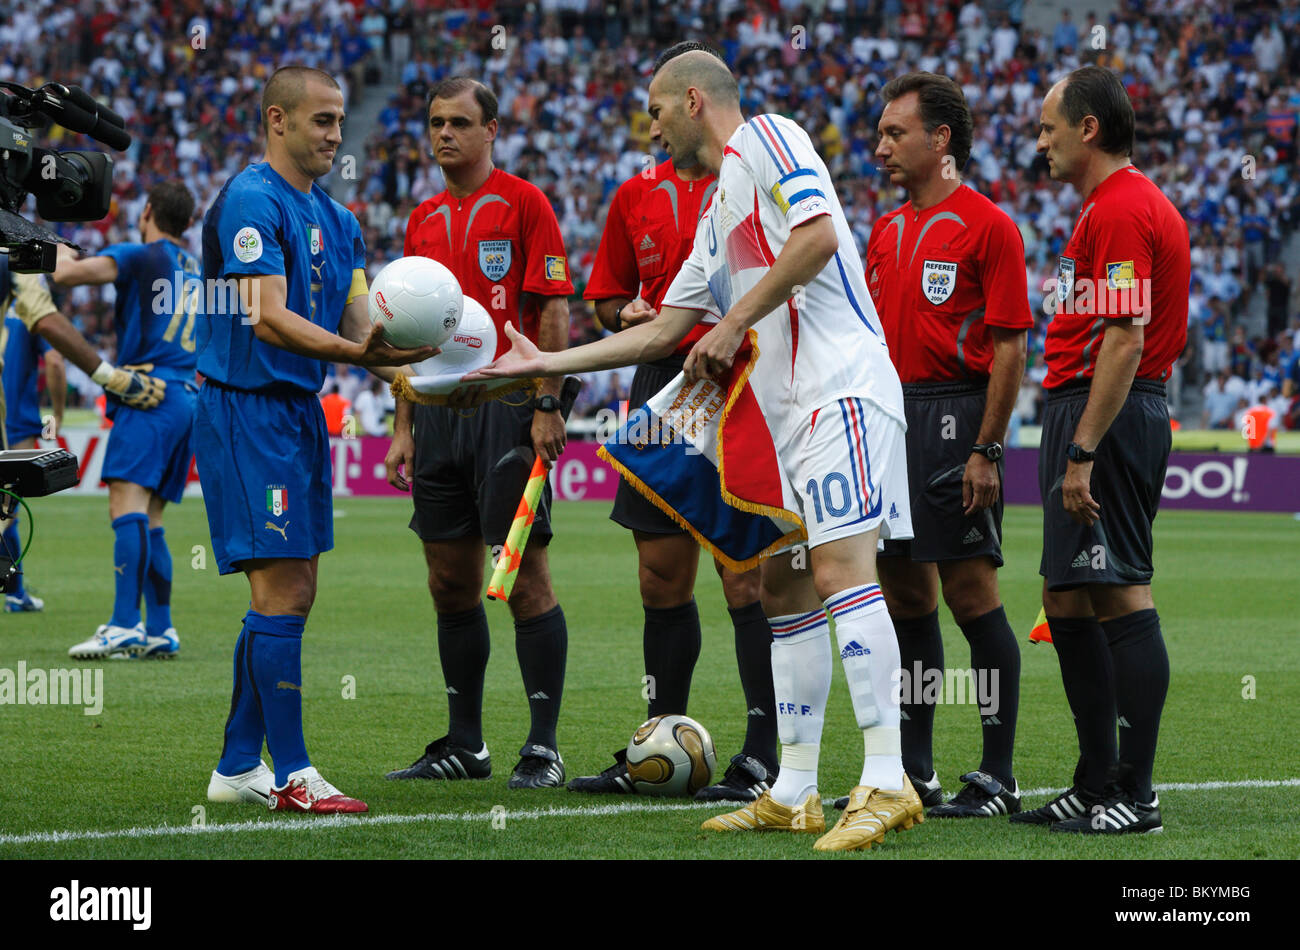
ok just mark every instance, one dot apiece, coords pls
pixel 780 157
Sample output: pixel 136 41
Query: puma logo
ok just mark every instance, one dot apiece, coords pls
pixel 317 268
pixel 276 527
pixel 285 684
pixel 120 568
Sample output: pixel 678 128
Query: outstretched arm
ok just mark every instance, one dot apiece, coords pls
pixel 639 344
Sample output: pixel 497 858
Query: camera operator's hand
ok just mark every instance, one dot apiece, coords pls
pixel 131 384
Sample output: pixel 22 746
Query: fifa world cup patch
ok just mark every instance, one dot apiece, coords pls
pixel 248 245
pixel 494 258
pixel 277 500
pixel 555 267
pixel 1119 275
pixel 938 280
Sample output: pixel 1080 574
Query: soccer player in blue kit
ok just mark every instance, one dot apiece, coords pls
pixel 148 456
pixel 263 452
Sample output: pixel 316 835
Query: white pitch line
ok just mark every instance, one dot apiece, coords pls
pixel 621 808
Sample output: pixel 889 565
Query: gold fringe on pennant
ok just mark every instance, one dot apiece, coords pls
pixel 401 388
pixel 736 501
pixel 738 567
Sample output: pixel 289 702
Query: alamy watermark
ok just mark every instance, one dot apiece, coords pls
pixel 57 687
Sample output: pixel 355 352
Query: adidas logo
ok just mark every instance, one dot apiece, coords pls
pixel 539 695
pixel 854 648
pixel 1081 560
pixel 756 712
pixel 990 721
pixel 1124 723
pixel 452 691
pixel 972 536
pixel 902 714
pixel 893 511
pixel 646 243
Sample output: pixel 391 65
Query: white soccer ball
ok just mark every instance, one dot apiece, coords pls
pixel 418 301
pixel 472 345
pixel 670 755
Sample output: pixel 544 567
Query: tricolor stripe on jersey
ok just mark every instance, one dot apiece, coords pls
pixel 854 418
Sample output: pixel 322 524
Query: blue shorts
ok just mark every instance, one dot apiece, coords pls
pixel 153 447
pixel 264 464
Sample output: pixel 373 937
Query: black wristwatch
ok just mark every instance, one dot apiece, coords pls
pixel 1077 453
pixel 547 403
pixel 990 450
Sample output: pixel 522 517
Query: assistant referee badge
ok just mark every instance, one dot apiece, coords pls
pixel 555 267
pixel 938 280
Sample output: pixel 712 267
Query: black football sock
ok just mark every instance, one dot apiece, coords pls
pixel 920 650
pixel 995 658
pixel 1141 663
pixel 672 645
pixel 463 648
pixel 542 645
pixel 754 660
pixel 1089 681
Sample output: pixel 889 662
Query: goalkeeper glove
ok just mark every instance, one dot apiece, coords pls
pixel 131 384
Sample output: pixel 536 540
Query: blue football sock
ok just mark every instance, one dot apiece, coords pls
pixel 130 562
pixel 13 548
pixel 245 732
pixel 158 585
pixel 276 651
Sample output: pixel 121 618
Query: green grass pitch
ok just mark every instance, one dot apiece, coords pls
pixel 1224 586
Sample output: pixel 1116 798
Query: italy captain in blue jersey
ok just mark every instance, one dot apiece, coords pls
pixel 298 259
pixel 149 450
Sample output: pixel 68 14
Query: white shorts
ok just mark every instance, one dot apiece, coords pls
pixel 849 471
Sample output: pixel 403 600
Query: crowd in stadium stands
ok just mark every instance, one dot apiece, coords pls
pixel 1213 84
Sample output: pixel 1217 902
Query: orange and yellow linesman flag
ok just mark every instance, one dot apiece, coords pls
pixel 506 568
pixel 1041 632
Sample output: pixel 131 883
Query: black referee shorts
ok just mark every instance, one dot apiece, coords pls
pixel 632 509
pixel 1128 476
pixel 463 484
pixel 943 422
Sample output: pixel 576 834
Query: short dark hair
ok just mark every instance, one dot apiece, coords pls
pixel 453 86
pixel 940 102
pixel 685 46
pixel 173 207
pixel 1095 91
pixel 286 85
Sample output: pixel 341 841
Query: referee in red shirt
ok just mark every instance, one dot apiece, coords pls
pixel 947 274
pixel 498 234
pixel 648 235
pixel 1120 323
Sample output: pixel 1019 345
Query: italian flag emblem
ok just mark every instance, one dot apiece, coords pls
pixel 277 501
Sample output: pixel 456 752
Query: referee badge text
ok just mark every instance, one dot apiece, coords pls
pixel 938 280
pixel 494 258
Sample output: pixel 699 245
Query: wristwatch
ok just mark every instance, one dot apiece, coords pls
pixel 547 403
pixel 990 450
pixel 1076 453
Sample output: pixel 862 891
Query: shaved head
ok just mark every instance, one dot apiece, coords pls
pixel 703 70
pixel 287 87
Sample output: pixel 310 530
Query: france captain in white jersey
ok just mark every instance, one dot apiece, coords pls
pixel 775 253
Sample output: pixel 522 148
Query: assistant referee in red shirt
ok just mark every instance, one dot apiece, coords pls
pixel 1120 322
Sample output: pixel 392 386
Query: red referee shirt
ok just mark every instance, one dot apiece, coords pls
pixel 502 242
pixel 940 279
pixel 648 235
pixel 1129 257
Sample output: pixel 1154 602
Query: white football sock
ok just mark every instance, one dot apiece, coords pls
pixel 801 680
pixel 869 652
